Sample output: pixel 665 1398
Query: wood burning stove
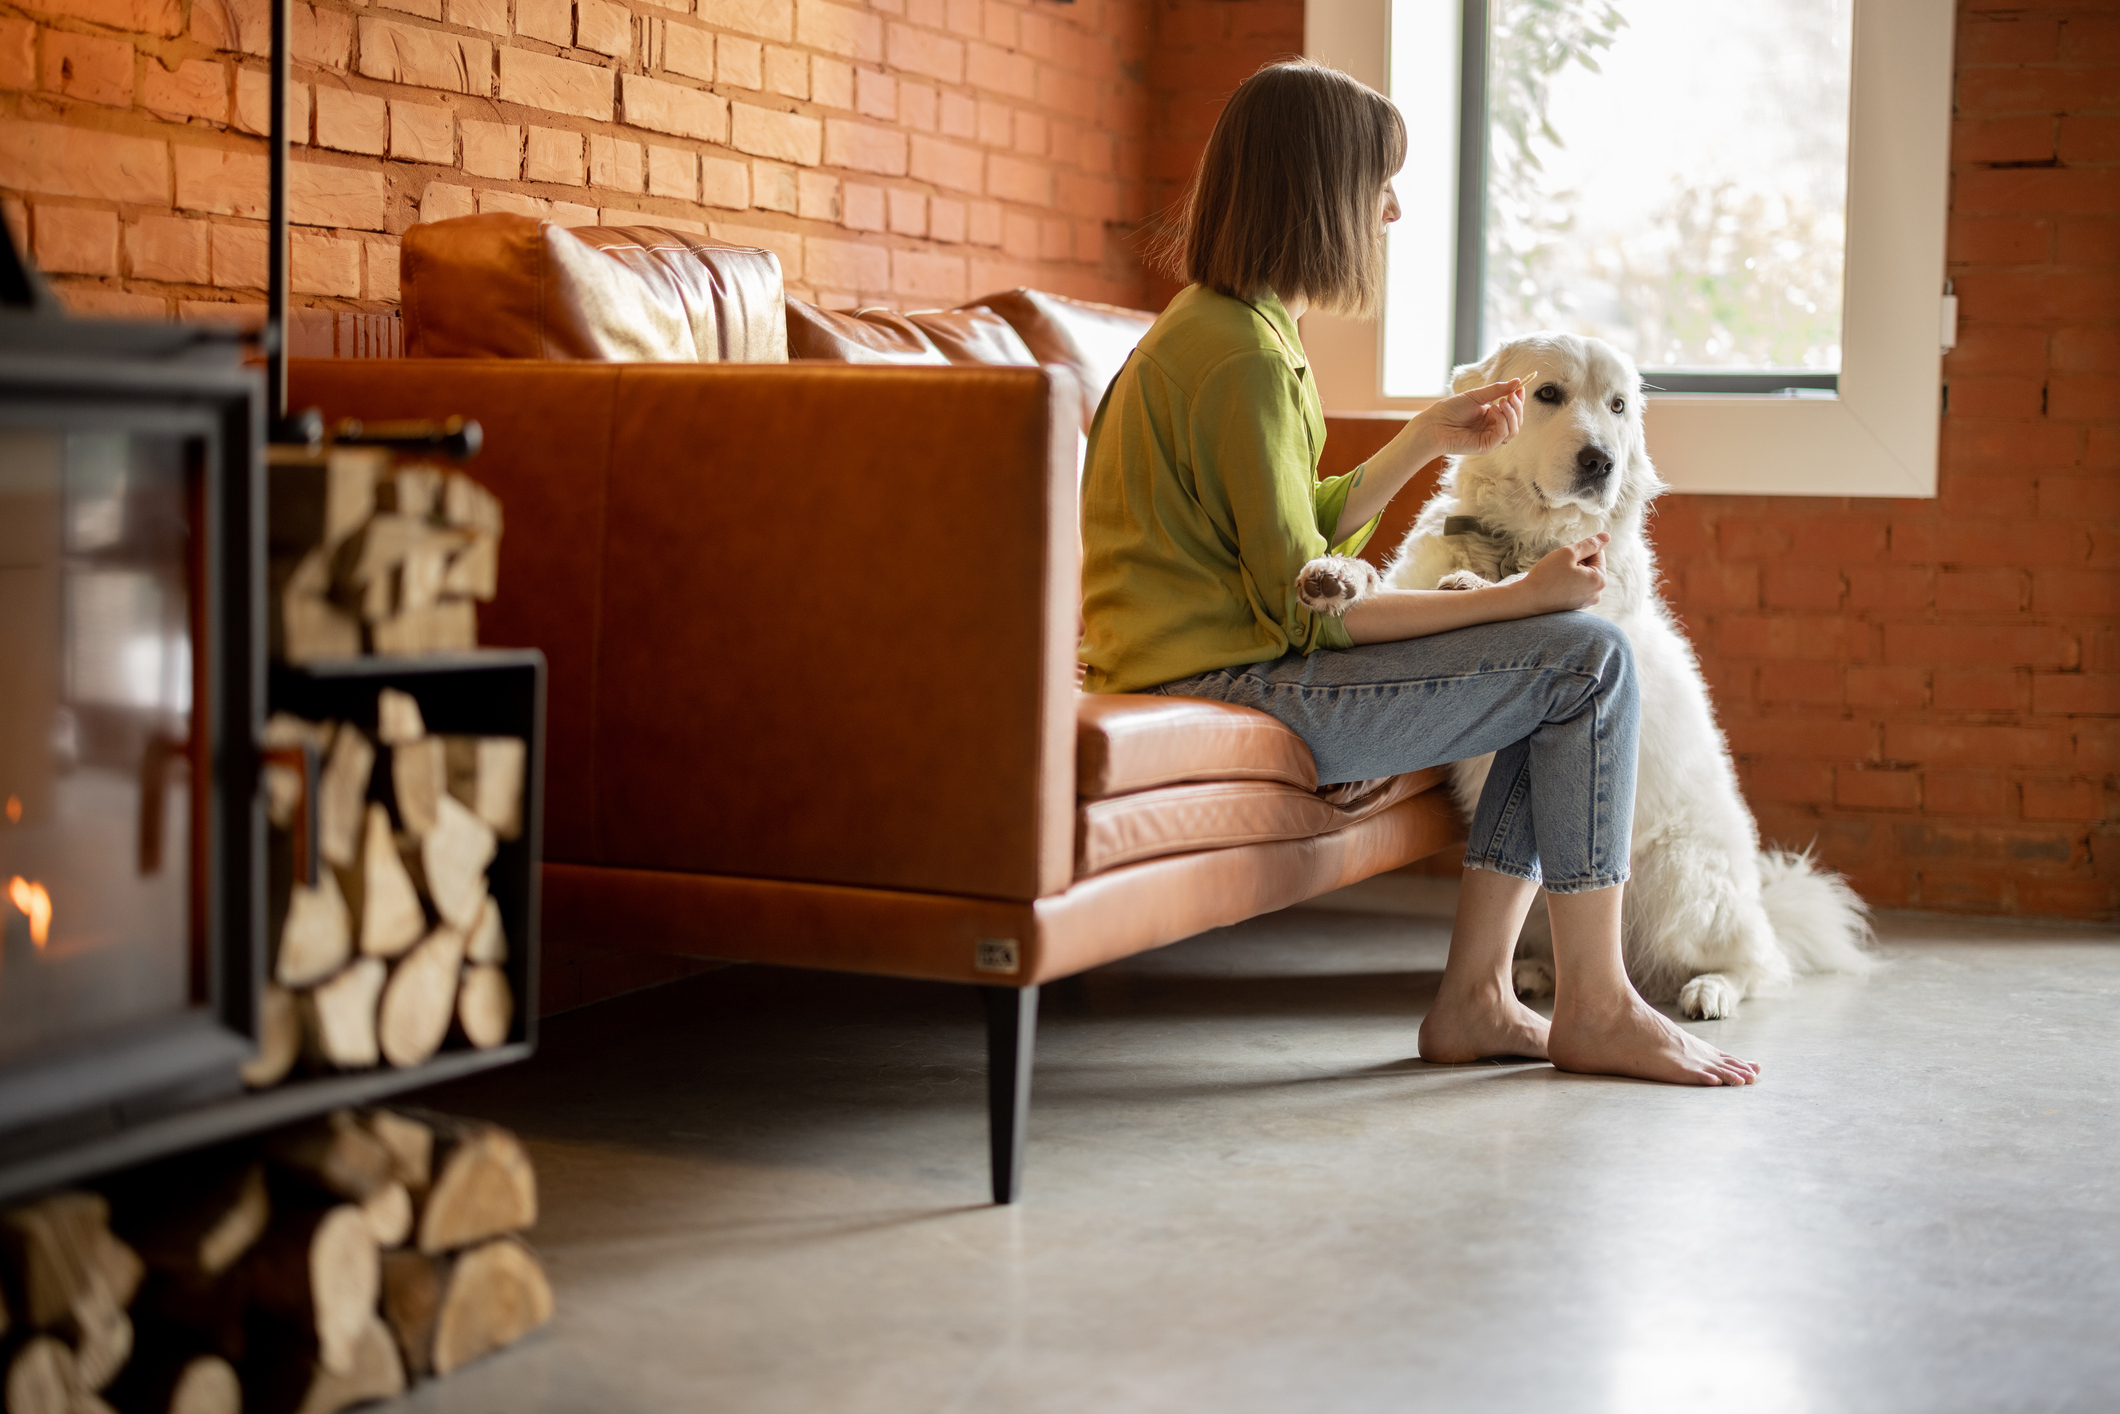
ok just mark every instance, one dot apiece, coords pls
pixel 130 555
pixel 133 690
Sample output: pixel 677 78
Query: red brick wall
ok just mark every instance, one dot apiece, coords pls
pixel 1199 51
pixel 910 152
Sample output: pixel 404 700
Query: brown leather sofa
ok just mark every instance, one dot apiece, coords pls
pixel 812 626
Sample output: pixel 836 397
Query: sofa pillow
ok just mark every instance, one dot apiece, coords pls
pixel 974 336
pixel 509 286
pixel 857 336
pixel 1091 340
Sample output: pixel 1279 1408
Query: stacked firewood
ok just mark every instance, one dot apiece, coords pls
pixel 397 938
pixel 323 1266
pixel 369 556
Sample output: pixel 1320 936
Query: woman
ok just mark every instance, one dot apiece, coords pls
pixel 1202 503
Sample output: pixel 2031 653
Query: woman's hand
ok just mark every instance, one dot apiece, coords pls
pixel 1571 577
pixel 1461 425
pixel 1469 423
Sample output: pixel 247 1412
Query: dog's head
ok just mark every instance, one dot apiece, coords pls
pixel 1581 447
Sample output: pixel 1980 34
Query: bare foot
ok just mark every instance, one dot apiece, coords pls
pixel 1636 1040
pixel 1470 1025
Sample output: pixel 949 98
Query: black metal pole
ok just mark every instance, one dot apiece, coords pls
pixel 276 224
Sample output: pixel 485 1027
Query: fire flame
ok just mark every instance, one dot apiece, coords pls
pixel 36 903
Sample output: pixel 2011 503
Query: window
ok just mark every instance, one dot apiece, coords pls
pixel 1746 195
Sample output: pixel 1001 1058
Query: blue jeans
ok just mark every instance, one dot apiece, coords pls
pixel 1555 698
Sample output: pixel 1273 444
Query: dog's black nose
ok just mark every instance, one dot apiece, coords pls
pixel 1594 463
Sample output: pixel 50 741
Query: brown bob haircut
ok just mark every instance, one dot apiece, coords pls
pixel 1287 193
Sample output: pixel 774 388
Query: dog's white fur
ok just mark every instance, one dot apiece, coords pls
pixel 1709 918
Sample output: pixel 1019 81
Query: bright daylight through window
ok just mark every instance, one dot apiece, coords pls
pixel 1668 175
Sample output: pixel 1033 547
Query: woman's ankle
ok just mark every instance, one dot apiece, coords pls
pixel 1478 987
pixel 1592 1002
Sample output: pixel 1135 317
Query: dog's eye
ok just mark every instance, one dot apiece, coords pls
pixel 1619 404
pixel 1551 393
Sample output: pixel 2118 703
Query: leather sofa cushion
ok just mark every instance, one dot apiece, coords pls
pixel 1091 340
pixel 858 336
pixel 926 336
pixel 974 336
pixel 1128 742
pixel 509 286
pixel 1149 824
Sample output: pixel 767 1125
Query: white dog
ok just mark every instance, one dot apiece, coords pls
pixel 1709 918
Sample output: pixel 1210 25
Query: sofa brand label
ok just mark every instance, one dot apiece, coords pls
pixel 995 955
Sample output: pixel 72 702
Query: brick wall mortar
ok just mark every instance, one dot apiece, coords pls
pixel 121 117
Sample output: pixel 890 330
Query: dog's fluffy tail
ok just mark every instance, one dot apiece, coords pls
pixel 1819 921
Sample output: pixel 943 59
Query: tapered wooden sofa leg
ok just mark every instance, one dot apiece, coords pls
pixel 1011 1031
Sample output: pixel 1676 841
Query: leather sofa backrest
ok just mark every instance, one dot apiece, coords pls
pixel 1092 341
pixel 928 336
pixel 857 336
pixel 508 286
pixel 974 335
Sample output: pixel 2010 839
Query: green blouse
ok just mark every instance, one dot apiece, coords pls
pixel 1201 500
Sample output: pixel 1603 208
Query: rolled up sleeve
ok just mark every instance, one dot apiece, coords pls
pixel 1332 504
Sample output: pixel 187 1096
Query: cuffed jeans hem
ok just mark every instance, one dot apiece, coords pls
pixel 1589 885
pixel 1529 875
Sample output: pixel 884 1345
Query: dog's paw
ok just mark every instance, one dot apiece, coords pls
pixel 1461 579
pixel 1533 977
pixel 1709 996
pixel 1333 584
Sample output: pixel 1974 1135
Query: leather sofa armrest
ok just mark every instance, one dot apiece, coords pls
pixel 804 621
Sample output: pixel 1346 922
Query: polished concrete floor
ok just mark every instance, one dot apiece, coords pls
pixel 762 1192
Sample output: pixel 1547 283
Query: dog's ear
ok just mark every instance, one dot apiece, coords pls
pixel 1476 375
pixel 1642 482
pixel 1639 482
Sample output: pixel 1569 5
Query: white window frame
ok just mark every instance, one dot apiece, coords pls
pixel 1877 435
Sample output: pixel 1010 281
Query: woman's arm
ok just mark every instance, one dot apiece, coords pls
pixel 1464 425
pixel 1571 577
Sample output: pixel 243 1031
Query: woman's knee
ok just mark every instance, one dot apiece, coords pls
pixel 1600 642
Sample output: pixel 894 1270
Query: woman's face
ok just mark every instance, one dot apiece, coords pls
pixel 1391 204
